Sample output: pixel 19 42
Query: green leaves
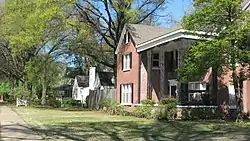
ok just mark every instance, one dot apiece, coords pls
pixel 29 22
pixel 229 46
pixel 4 88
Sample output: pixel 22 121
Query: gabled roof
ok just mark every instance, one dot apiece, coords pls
pixel 143 33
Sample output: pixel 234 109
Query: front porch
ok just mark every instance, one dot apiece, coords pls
pixel 162 63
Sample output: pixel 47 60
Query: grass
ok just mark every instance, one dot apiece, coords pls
pixel 98 126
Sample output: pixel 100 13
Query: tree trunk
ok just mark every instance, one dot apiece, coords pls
pixel 238 87
pixel 44 91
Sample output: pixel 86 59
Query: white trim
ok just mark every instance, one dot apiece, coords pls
pixel 195 106
pixel 246 6
pixel 167 38
pixel 121 38
pixel 126 104
pixel 126 69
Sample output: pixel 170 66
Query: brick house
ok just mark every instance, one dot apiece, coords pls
pixel 147 60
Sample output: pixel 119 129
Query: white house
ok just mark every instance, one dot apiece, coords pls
pixel 82 84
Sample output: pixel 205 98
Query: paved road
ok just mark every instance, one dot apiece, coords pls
pixel 13 128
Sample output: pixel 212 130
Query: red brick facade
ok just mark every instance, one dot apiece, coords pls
pixel 131 76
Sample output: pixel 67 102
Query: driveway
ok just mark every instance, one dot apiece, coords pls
pixel 13 128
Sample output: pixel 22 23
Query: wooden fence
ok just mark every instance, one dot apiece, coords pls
pixel 95 97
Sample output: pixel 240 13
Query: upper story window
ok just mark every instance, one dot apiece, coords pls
pixel 156 60
pixel 127 62
pixel 126 37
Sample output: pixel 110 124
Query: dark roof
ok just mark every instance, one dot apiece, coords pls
pixel 64 87
pixel 83 81
pixel 143 33
pixel 106 78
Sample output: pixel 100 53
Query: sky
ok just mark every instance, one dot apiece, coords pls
pixel 176 8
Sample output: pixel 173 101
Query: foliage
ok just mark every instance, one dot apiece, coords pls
pixel 166 101
pixel 148 102
pixel 227 26
pixel 4 88
pixel 111 106
pixel 70 102
pixel 57 103
pixel 21 92
pixel 143 111
pixel 198 113
pixel 165 112
pixel 43 72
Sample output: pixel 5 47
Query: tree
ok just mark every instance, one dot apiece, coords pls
pixel 107 19
pixel 227 26
pixel 43 71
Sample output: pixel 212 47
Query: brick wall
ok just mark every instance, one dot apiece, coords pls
pixel 128 76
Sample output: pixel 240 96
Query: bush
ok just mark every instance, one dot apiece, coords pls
pixel 111 106
pixel 198 113
pixel 165 112
pixel 36 102
pixel 143 111
pixel 166 101
pixel 70 102
pixel 148 102
pixel 54 103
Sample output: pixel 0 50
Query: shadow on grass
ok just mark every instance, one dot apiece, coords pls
pixel 156 131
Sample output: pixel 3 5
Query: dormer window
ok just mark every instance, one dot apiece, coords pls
pixel 126 37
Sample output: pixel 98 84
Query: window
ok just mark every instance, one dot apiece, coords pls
pixel 126 94
pixel 126 37
pixel 197 86
pixel 155 61
pixel 127 62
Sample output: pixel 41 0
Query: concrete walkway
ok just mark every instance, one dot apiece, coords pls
pixel 13 128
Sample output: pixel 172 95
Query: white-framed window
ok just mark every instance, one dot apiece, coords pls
pixel 126 37
pixel 197 86
pixel 156 60
pixel 127 61
pixel 126 94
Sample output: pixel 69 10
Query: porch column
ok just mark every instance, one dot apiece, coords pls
pixel 181 87
pixel 149 70
pixel 162 74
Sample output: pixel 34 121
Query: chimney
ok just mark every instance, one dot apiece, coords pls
pixel 92 77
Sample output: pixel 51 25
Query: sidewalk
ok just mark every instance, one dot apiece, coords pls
pixel 13 128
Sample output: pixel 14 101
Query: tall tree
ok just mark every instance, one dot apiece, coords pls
pixel 108 17
pixel 227 26
pixel 45 72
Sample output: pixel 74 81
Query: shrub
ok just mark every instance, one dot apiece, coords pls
pixel 35 102
pixel 165 112
pixel 148 102
pixel 70 102
pixel 166 101
pixel 54 103
pixel 143 111
pixel 198 113
pixel 111 106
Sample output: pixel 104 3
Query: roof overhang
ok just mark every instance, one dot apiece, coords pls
pixel 246 6
pixel 178 34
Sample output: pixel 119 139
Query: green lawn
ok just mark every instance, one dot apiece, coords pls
pixel 97 126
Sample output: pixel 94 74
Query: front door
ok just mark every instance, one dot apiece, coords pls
pixel 172 87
